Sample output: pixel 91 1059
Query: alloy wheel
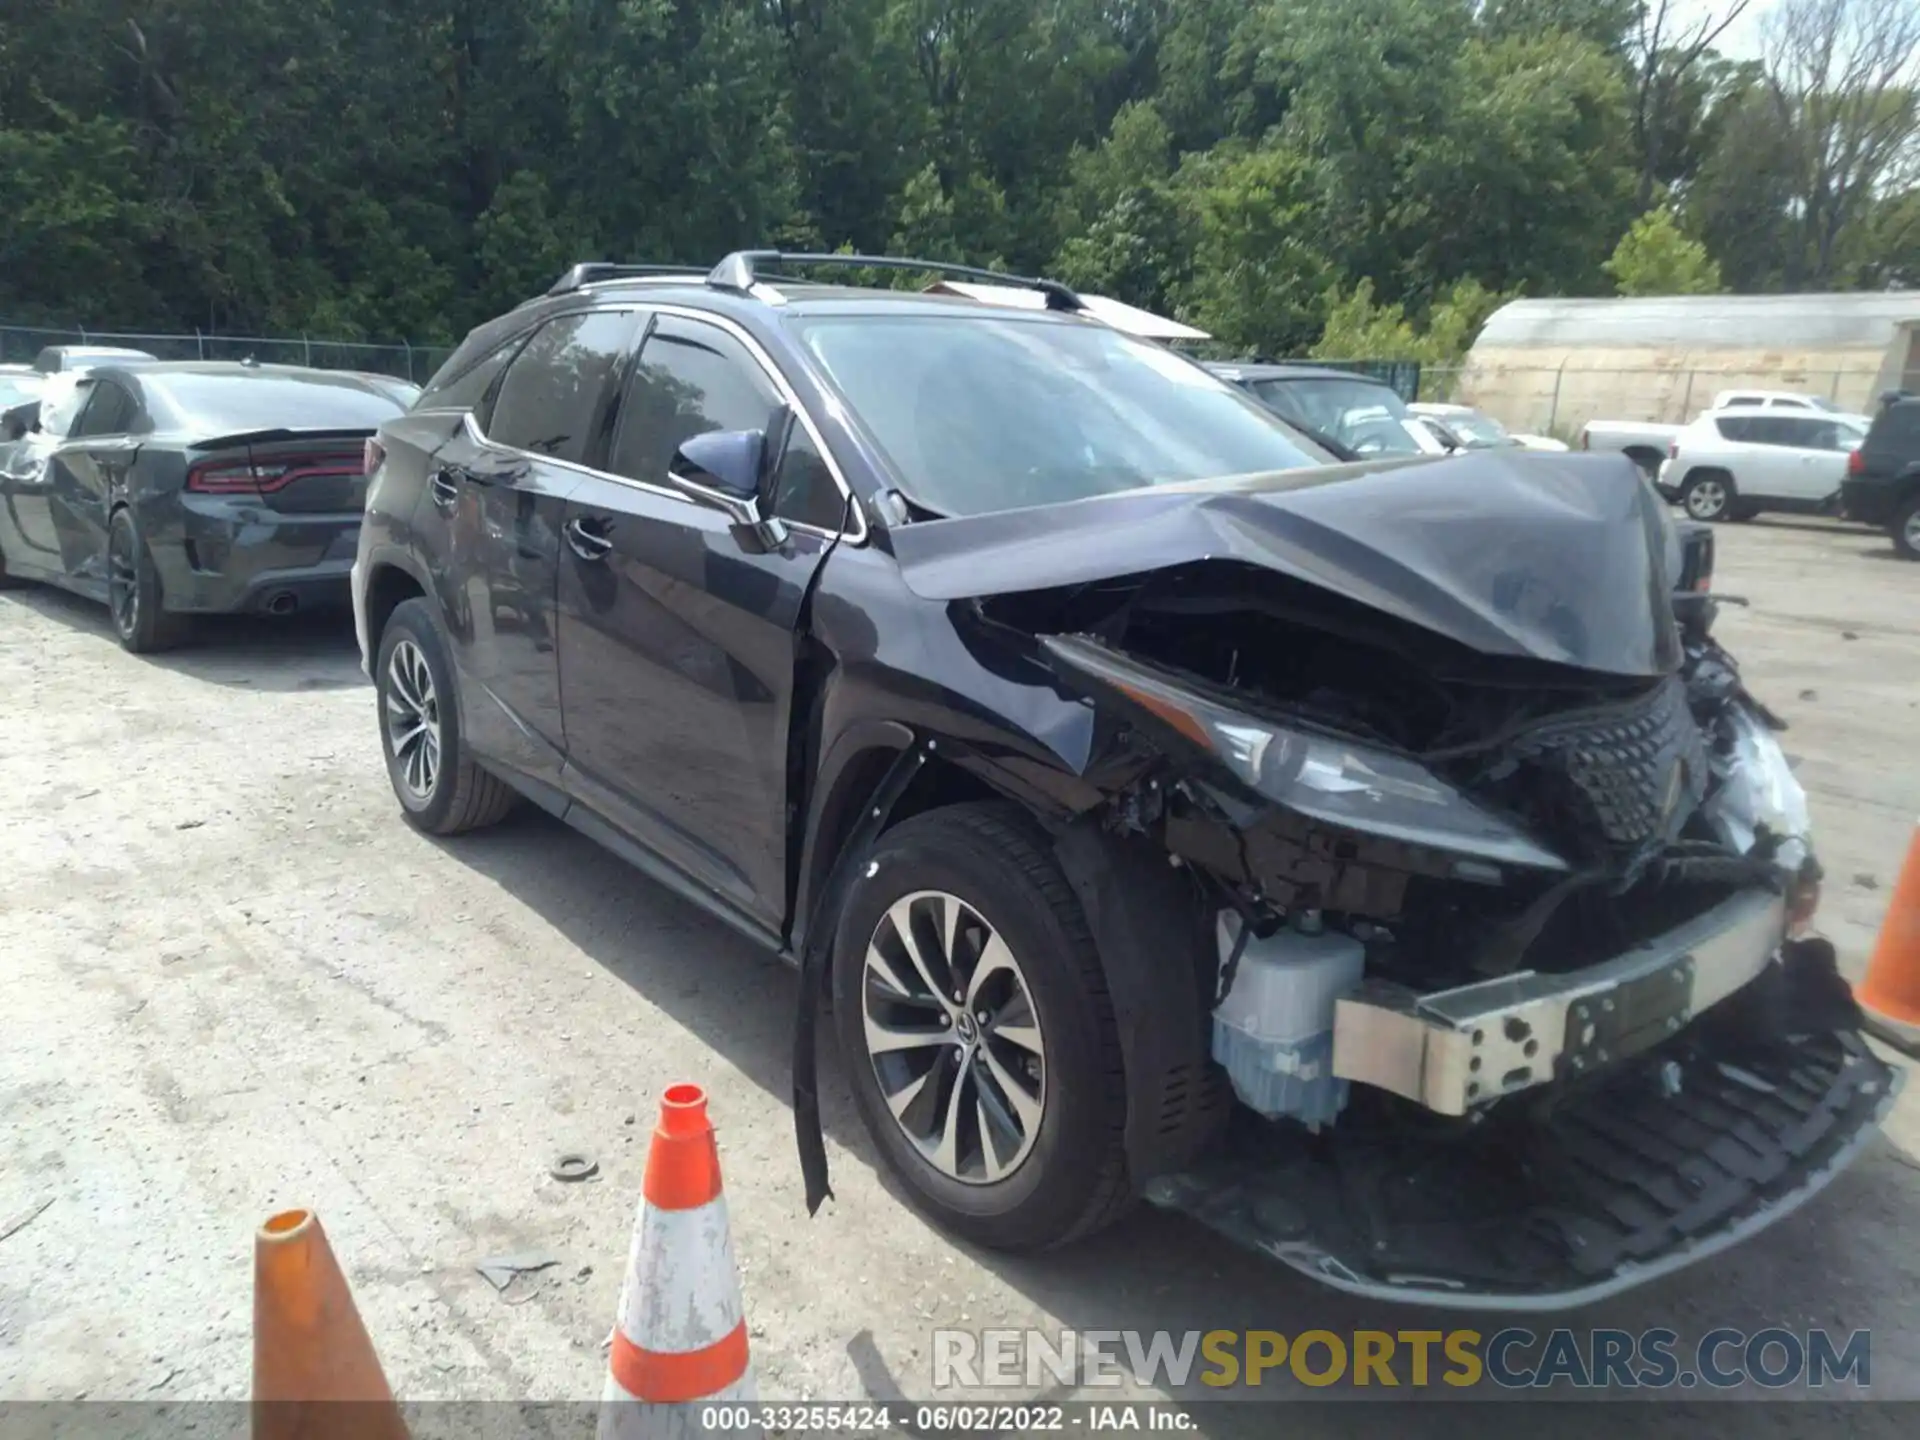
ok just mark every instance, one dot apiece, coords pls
pixel 413 720
pixel 1706 499
pixel 1911 531
pixel 123 579
pixel 953 1037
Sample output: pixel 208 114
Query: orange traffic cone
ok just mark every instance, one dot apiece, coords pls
pixel 1890 995
pixel 681 1335
pixel 315 1374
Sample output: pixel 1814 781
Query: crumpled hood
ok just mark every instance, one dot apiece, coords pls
pixel 1553 557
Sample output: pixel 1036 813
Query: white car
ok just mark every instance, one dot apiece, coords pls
pixel 1782 400
pixel 1480 430
pixel 1732 464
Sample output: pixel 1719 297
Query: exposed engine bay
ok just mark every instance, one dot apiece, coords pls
pixel 1504 876
pixel 1458 819
pixel 1479 885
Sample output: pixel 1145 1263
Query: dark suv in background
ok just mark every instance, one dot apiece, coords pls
pixel 1883 476
pixel 1092 731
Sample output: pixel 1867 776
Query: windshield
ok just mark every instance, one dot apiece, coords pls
pixel 314 401
pixel 1482 432
pixel 1363 415
pixel 18 390
pixel 985 413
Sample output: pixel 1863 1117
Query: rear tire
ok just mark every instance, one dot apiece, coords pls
pixel 1057 1169
pixel 1906 528
pixel 1709 495
pixel 440 789
pixel 134 601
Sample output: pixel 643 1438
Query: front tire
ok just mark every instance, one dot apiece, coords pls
pixel 1906 529
pixel 440 789
pixel 140 619
pixel 1708 495
pixel 974 1016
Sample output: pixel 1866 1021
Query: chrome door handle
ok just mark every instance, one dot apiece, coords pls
pixel 446 491
pixel 585 539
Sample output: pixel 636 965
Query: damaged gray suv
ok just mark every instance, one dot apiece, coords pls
pixel 1377 860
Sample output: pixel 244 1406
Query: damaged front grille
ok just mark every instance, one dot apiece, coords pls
pixel 1617 783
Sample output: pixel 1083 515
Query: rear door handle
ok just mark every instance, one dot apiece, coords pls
pixel 588 538
pixel 446 486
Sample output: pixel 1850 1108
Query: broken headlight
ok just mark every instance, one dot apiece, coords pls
pixel 1758 793
pixel 1344 783
pixel 1322 776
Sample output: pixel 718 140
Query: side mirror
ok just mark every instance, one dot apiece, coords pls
pixel 722 470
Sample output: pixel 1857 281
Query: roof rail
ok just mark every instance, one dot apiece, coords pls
pixel 740 271
pixel 588 271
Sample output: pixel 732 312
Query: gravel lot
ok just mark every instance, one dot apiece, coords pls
pixel 236 981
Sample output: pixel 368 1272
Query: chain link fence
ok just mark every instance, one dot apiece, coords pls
pixel 20 343
pixel 1559 400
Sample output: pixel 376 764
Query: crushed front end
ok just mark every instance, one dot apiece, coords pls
pixel 1508 953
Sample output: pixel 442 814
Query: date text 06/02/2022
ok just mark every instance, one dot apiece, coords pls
pixel 923 1418
pixel 1512 1358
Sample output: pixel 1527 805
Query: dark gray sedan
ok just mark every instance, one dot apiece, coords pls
pixel 167 490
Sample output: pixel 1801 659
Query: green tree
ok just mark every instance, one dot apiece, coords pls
pixel 1259 277
pixel 1656 257
pixel 1361 328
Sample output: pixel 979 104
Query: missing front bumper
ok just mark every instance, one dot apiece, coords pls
pixel 1455 1050
pixel 1690 1149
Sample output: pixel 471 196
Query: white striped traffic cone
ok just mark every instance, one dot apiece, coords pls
pixel 681 1335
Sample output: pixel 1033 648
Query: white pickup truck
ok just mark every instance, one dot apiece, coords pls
pixel 1647 444
pixel 1641 441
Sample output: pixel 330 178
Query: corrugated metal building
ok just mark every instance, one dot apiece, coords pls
pixel 1555 364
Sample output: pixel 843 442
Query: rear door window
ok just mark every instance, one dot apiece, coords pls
pixel 1807 433
pixel 1738 428
pixel 109 411
pixel 553 393
pixel 466 390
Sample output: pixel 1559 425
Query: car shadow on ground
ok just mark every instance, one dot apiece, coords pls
pixel 1154 1270
pixel 315 650
pixel 1834 525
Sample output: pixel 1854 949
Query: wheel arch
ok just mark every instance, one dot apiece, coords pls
pixel 391 582
pixel 851 775
pixel 1703 470
pixel 1147 920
